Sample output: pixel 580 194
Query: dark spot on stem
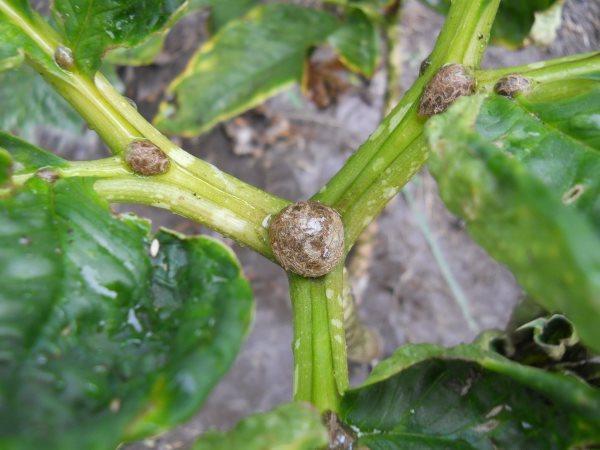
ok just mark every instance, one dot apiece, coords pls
pixel 145 158
pixel 307 238
pixel 450 83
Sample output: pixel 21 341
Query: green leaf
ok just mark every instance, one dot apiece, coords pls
pixel 514 20
pixel 295 426
pixel 5 167
pixel 357 42
pixel 144 53
pixel 243 64
pixel 106 336
pixel 29 102
pixel 15 19
pixel 520 177
pixel 27 157
pixel 224 11
pixel 91 27
pixel 429 397
pixel 553 131
pixel 10 57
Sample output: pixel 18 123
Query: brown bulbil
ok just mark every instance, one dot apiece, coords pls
pixel 450 83
pixel 63 56
pixel 512 85
pixel 341 436
pixel 307 238
pixel 48 175
pixel 147 159
pixel 424 66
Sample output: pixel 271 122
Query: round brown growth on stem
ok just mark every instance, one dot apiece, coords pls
pixel 147 159
pixel 424 65
pixel 307 238
pixel 451 82
pixel 47 174
pixel 512 85
pixel 63 56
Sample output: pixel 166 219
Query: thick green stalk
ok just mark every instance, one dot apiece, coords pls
pixel 320 362
pixel 179 192
pixel 160 193
pixel 118 123
pixel 396 150
pixel 543 71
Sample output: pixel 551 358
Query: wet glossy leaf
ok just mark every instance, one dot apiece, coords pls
pixel 357 42
pixel 28 102
pixel 526 182
pixel 5 167
pixel 139 55
pixel 554 131
pixel 429 397
pixel 15 18
pixel 91 27
pixel 222 11
pixel 27 157
pixel 107 334
pixel 295 426
pixel 514 20
pixel 246 62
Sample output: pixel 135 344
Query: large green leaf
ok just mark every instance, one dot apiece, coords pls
pixel 28 102
pixel 519 176
pixel 222 11
pixel 15 19
pixel 514 20
pixel 247 61
pixel 357 42
pixel 429 397
pixel 27 157
pixel 107 334
pixel 554 131
pixel 91 27
pixel 5 167
pixel 294 426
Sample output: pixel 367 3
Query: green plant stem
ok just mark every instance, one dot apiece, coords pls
pixel 544 71
pixel 179 192
pixel 118 123
pixel 162 194
pixel 396 150
pixel 320 362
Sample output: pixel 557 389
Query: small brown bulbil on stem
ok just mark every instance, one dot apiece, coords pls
pixel 307 238
pixel 145 158
pixel 512 85
pixel 450 83
pixel 47 174
pixel 424 65
pixel 63 56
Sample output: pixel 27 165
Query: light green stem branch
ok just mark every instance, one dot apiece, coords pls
pixel 320 362
pixel 200 190
pixel 544 71
pixel 177 191
pixel 396 150
pixel 162 194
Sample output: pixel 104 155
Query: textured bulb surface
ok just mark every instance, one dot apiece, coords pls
pixel 145 158
pixel 450 83
pixel 512 85
pixel 307 238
